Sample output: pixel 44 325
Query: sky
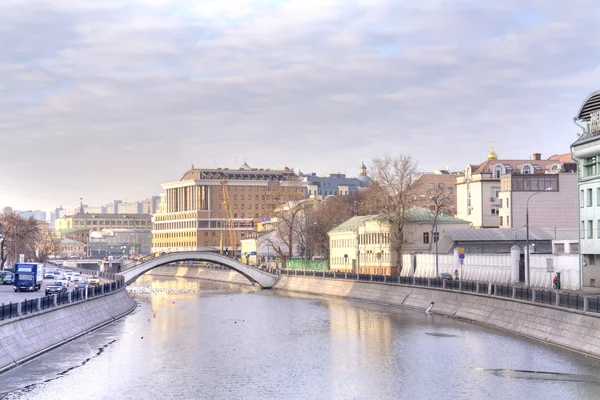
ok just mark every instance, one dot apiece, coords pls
pixel 108 99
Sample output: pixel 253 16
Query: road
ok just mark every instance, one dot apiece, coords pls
pixel 8 295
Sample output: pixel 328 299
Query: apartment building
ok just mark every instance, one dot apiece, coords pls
pixel 193 213
pixel 98 222
pixel 440 183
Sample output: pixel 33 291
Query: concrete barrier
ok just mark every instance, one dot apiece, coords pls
pixel 26 337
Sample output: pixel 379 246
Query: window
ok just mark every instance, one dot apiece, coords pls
pixel 495 191
pixel 598 196
pixel 590 233
pixel 495 211
pixel 432 186
pixel 589 197
pixel 582 233
pixel 501 221
pixel 497 171
pixel 526 169
pixel 507 203
pixel 450 190
pixel 590 166
pixel 507 220
pixel 441 186
pixel 581 198
pixel 573 248
pixel 425 237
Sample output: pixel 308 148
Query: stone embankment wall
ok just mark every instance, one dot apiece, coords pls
pixel 26 337
pixel 570 329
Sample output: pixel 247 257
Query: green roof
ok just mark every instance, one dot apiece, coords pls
pixel 72 230
pixel 71 242
pixel 352 224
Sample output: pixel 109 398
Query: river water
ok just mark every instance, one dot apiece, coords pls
pixel 191 339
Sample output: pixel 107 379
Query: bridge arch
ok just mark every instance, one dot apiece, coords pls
pixel 253 274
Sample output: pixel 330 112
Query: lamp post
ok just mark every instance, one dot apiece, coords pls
pixel 527 277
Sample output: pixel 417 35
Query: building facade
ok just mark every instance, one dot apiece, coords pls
pixel 335 184
pixel 478 191
pixel 98 222
pixel 555 208
pixel 436 184
pixel 208 208
pixel 586 151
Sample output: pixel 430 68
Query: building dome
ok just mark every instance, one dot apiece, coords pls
pixel 491 155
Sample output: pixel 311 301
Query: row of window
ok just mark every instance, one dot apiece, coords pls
pixel 343 243
pixel 587 229
pixel 108 223
pixel 588 200
pixel 364 259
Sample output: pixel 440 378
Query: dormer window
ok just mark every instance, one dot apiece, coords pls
pixel 527 169
pixel 498 170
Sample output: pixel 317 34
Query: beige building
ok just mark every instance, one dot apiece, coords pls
pixel 193 213
pixel 437 183
pixel 478 191
pixel 364 243
pixel 98 222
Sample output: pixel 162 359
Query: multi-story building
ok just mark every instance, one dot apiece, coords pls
pixel 335 184
pixel 98 222
pixel 586 151
pixel 436 188
pixel 366 241
pixel 194 215
pixel 478 191
pixel 555 208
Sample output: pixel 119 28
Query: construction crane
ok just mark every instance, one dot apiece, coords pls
pixel 227 223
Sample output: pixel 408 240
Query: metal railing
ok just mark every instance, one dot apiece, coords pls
pixel 544 296
pixel 12 310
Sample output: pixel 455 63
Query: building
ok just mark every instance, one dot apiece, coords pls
pixel 436 184
pixel 586 151
pixel 120 242
pixel 335 184
pixel 98 222
pixel 364 243
pixel 555 208
pixel 478 190
pixel 196 210
pixel 70 248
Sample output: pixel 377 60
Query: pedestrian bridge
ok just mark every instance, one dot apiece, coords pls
pixel 254 275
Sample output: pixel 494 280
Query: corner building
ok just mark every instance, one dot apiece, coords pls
pixel 192 214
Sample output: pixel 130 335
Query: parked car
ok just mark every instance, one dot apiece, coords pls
pixel 81 284
pixel 94 280
pixel 445 275
pixel 64 281
pixel 7 278
pixel 55 288
pixel 48 273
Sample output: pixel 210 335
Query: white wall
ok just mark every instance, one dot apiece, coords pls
pixel 495 268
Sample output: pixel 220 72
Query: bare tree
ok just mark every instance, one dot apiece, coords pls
pixel 327 215
pixel 46 244
pixel 19 237
pixel 442 204
pixel 288 212
pixel 391 195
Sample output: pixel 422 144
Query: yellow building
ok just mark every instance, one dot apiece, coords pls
pixel 193 213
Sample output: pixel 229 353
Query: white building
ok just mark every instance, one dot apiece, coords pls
pixel 586 151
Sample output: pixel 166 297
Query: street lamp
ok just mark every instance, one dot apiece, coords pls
pixel 527 277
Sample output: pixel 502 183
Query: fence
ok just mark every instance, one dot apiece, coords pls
pixel 12 310
pixel 544 296
pixel 304 264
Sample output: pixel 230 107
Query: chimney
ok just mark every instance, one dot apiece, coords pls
pixel 536 156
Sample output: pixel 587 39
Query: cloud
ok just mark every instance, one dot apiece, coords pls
pixel 110 99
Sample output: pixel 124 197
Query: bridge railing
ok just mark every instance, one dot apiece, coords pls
pixel 556 298
pixel 17 309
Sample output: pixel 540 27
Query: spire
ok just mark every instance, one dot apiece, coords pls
pixel 81 205
pixel 363 169
pixel 491 155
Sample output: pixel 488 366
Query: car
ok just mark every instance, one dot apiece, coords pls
pixel 69 275
pixel 64 281
pixel 445 276
pixel 48 273
pixel 56 272
pixel 76 277
pixel 94 280
pixel 55 288
pixel 7 277
pixel 81 284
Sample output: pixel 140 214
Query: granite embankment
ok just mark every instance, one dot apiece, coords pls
pixel 566 328
pixel 23 338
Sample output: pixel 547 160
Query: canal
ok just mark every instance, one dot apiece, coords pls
pixel 191 339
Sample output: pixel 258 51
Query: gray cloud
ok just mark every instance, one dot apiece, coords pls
pixel 109 99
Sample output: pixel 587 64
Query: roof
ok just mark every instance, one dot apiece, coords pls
pixel 73 230
pixel 110 216
pixel 424 215
pixel 70 242
pixel 351 225
pixel 508 234
pixel 540 166
pixel 591 103
pixel 563 158
pixel 239 174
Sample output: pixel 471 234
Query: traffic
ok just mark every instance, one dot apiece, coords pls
pixel 41 281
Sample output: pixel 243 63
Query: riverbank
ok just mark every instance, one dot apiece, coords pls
pixel 26 337
pixel 565 328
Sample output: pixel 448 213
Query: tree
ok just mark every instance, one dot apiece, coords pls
pixel 391 195
pixel 326 216
pixel 287 211
pixel 442 204
pixel 47 243
pixel 19 237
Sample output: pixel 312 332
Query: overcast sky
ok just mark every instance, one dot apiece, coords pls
pixel 108 99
